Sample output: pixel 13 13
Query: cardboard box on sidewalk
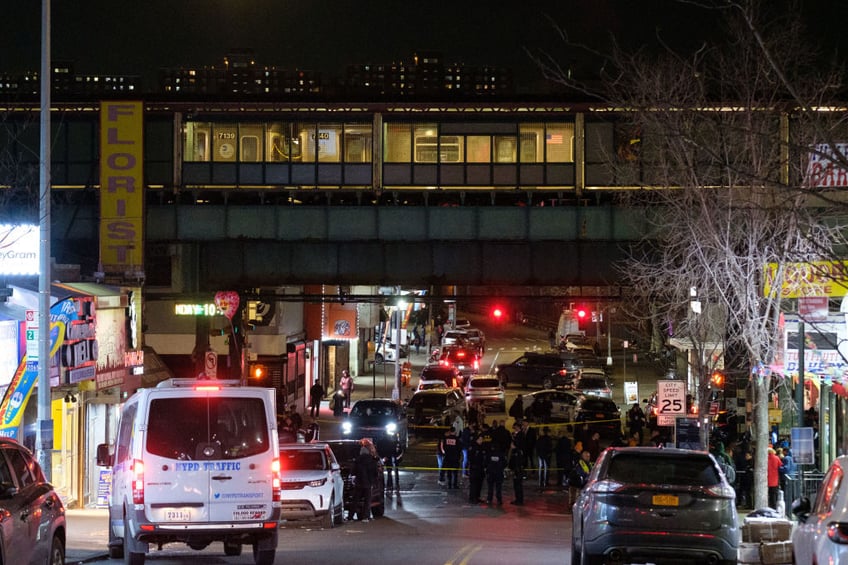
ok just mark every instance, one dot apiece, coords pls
pixel 766 530
pixel 748 552
pixel 776 553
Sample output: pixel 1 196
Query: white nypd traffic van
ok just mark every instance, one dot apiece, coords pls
pixel 195 461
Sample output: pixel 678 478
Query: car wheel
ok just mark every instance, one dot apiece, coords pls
pixel 378 358
pixel 232 548
pixel 132 557
pixel 329 520
pixel 116 545
pixel 263 556
pixel 57 551
pixel 338 515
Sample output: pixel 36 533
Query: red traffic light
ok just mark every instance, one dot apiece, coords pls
pixel 497 313
pixel 581 313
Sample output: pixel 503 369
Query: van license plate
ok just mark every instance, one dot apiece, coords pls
pixel 666 500
pixel 177 516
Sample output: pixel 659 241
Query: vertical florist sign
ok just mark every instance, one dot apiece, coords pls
pixel 121 188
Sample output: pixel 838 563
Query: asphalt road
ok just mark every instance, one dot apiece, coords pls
pixel 424 522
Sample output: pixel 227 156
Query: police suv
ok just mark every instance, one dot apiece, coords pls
pixel 195 461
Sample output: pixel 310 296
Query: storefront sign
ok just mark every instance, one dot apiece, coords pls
pixel 816 278
pixel 19 249
pixel 121 188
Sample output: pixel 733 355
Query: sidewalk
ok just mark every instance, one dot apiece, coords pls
pixel 88 535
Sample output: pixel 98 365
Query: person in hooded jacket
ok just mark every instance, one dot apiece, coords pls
pixel 364 474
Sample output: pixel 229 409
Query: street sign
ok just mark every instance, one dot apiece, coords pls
pixel 671 400
pixel 211 364
pixel 32 335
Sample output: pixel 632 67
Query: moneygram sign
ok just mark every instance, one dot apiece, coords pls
pixel 816 278
pixel 19 249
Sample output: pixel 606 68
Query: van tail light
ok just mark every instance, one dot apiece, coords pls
pixel 276 481
pixel 137 471
pixel 838 532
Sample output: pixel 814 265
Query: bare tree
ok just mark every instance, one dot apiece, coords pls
pixel 719 142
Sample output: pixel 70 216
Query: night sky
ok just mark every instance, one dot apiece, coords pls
pixel 137 37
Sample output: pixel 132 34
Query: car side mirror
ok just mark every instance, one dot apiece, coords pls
pixel 104 455
pixel 335 467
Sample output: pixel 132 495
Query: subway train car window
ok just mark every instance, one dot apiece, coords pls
pixel 398 143
pixel 479 148
pixel 357 143
pixel 505 146
pixel 329 143
pixel 224 143
pixel 530 139
pixel 559 143
pixel 196 141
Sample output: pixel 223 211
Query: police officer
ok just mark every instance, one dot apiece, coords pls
pixel 516 463
pixel 452 458
pixel 495 463
pixel 476 469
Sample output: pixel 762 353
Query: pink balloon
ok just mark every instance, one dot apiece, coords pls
pixel 227 302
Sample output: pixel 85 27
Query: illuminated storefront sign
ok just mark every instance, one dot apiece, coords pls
pixel 121 188
pixel 19 249
pixel 816 278
pixel 209 309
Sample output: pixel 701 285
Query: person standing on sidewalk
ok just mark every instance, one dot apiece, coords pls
pixel 346 384
pixel 316 394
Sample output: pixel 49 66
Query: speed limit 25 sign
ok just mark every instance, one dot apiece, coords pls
pixel 671 399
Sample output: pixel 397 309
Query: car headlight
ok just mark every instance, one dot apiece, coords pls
pixel 318 483
pixel 346 427
pixel 391 428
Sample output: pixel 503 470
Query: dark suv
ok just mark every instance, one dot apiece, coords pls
pixel 547 370
pixel 383 421
pixel 644 504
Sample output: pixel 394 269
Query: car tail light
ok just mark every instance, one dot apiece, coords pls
pixel 276 481
pixel 607 486
pixel 476 364
pixel 721 491
pixel 137 471
pixel 838 532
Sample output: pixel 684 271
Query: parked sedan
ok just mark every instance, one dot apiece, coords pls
pixel 601 414
pixel 346 452
pixel 486 390
pixel 311 484
pixel 430 412
pixel 821 535
pixel 651 505
pixel 32 517
pixel 563 405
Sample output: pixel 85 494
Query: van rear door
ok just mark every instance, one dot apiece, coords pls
pixel 209 456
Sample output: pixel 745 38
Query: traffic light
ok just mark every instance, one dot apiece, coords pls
pixel 497 313
pixel 581 314
pixel 717 379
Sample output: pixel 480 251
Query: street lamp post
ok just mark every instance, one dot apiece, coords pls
pixel 44 433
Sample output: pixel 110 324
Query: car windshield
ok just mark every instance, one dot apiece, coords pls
pixel 305 460
pixel 370 409
pixel 187 427
pixel 484 383
pixel 690 470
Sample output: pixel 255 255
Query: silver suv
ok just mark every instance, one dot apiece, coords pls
pixel 645 504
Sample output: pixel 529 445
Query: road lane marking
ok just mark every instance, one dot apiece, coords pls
pixel 468 551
